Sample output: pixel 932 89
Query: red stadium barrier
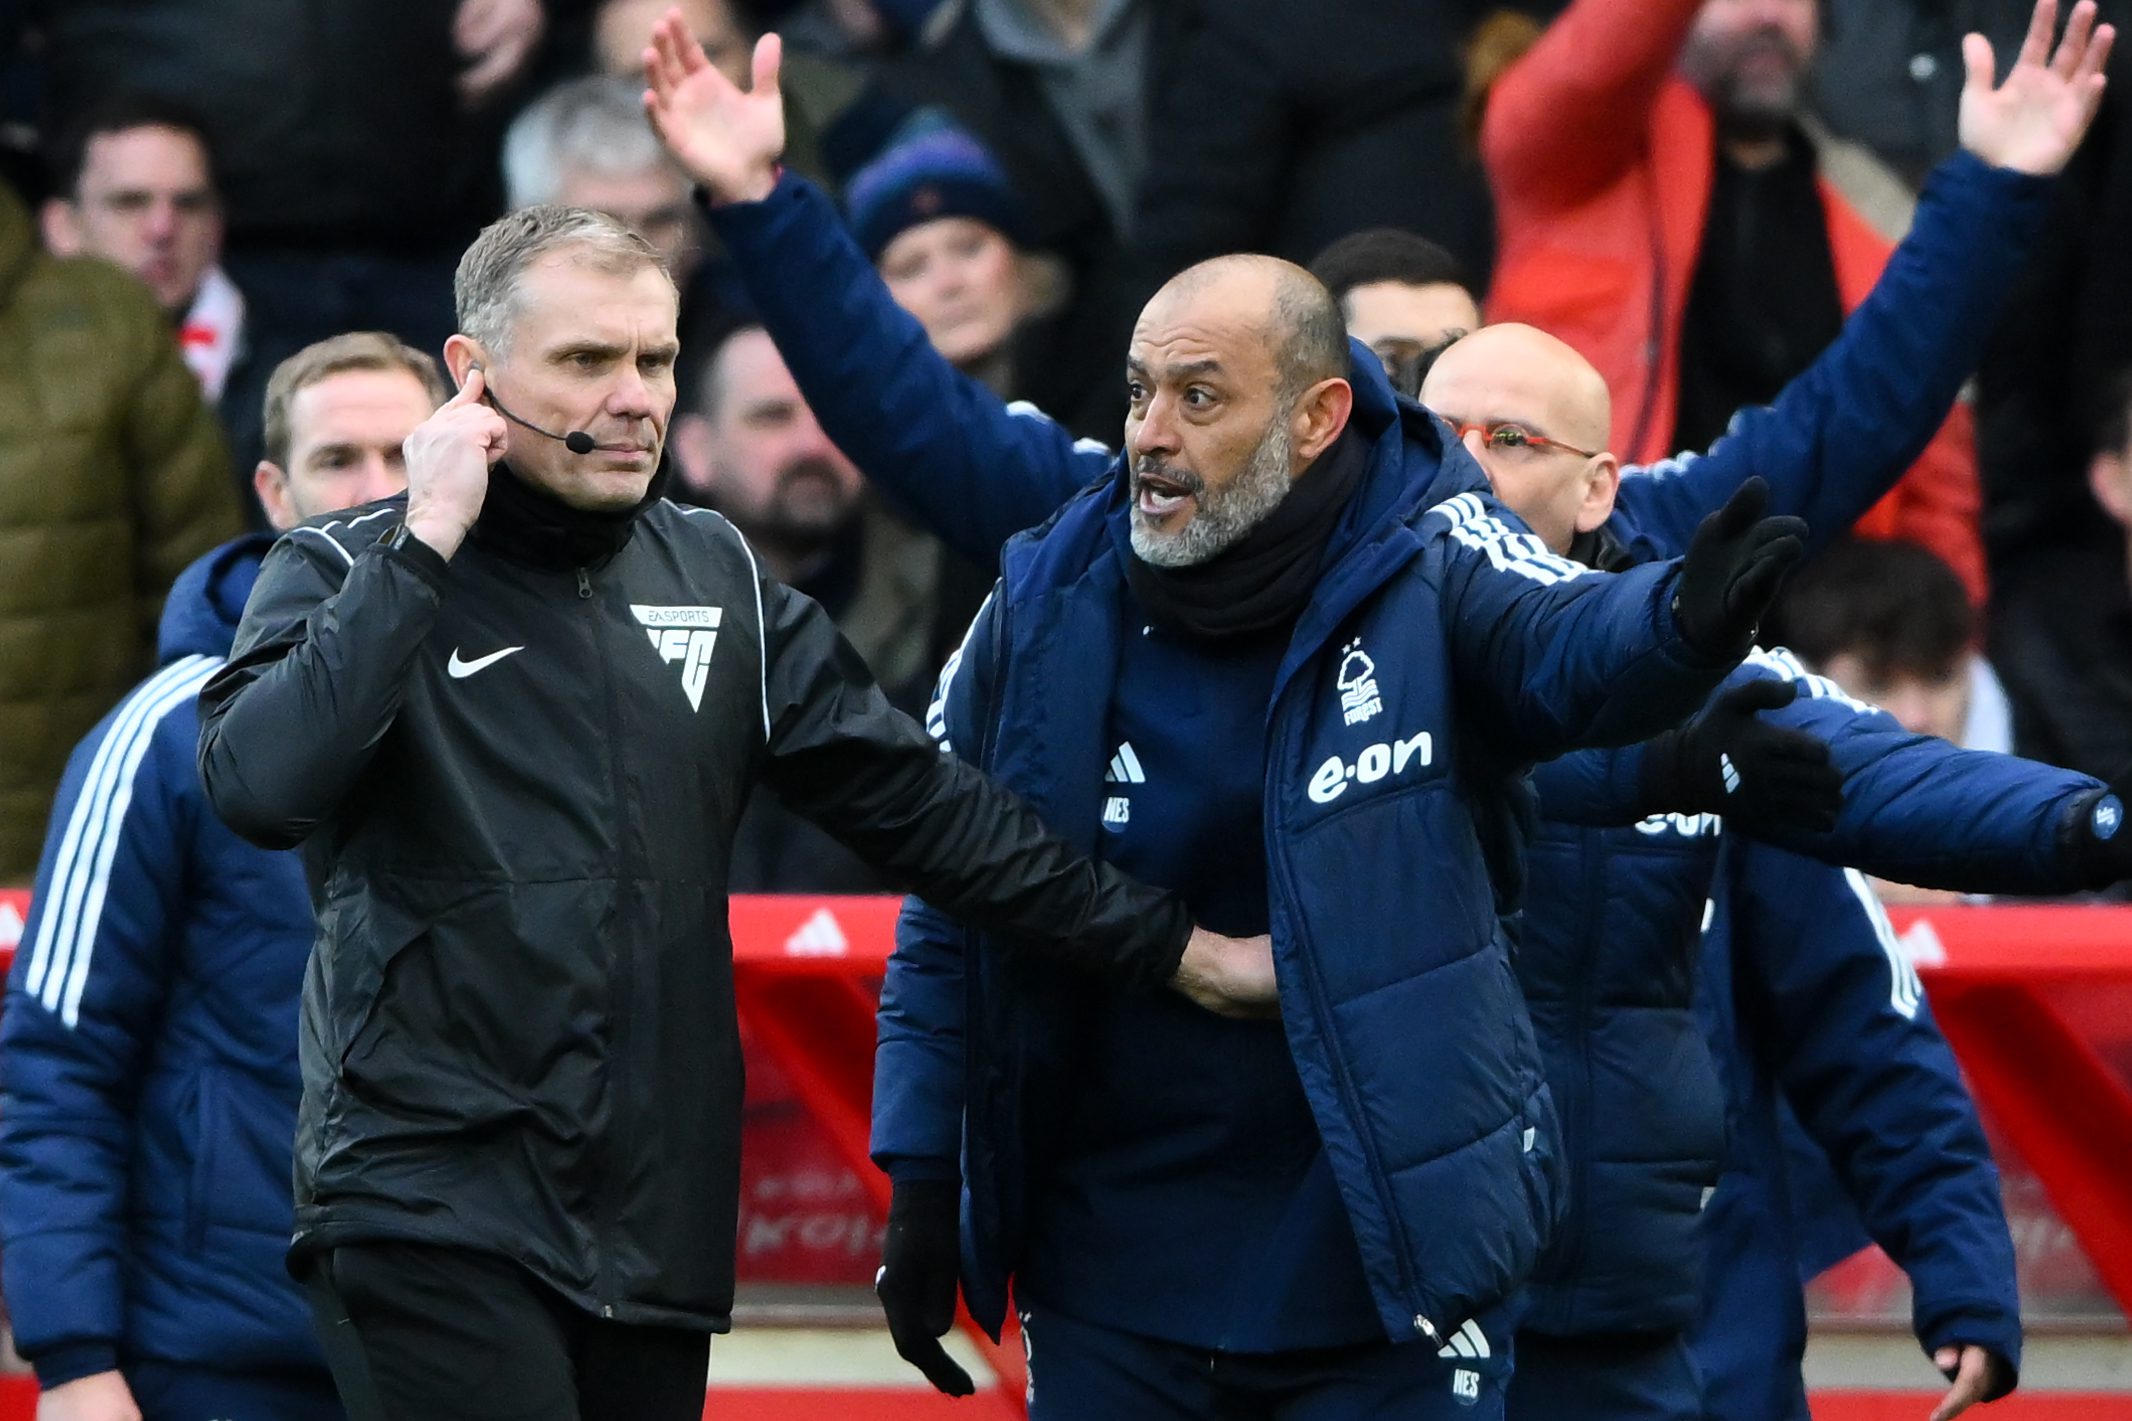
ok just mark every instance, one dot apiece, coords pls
pixel 2037 1001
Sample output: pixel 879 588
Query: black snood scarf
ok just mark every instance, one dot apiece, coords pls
pixel 529 525
pixel 1265 578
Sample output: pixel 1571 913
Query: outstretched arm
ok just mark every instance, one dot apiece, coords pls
pixel 1914 808
pixel 1843 433
pixel 967 467
pixel 1569 658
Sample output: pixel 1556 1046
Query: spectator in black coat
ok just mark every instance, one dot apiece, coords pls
pixel 1288 126
pixel 2062 629
pixel 357 138
pixel 1060 91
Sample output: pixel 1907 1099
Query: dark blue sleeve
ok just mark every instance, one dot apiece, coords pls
pixel 918 1056
pixel 1600 788
pixel 1557 655
pixel 1846 430
pixel 1875 1085
pixel 958 461
pixel 1921 811
pixel 84 1007
pixel 1915 809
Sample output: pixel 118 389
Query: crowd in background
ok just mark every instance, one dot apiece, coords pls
pixel 1694 207
pixel 229 231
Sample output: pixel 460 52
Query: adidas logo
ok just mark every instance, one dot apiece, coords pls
pixel 684 636
pixel 819 936
pixel 1469 1341
pixel 1125 768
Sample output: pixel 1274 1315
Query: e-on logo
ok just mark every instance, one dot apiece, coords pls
pixel 1373 764
pixel 684 635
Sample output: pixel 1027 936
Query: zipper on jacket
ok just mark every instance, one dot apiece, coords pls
pixel 608 1206
pixel 1278 871
pixel 1594 854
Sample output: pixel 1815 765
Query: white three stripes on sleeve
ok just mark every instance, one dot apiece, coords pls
pixel 81 873
pixel 1522 553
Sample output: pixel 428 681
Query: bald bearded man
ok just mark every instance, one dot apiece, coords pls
pixel 1290 657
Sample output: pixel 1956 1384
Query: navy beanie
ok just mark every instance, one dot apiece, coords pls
pixel 944 173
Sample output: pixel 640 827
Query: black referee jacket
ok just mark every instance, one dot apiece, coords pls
pixel 516 781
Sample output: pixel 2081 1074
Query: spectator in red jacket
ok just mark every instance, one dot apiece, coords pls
pixel 1666 206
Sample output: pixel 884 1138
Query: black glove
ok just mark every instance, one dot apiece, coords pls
pixel 1728 760
pixel 2098 842
pixel 1732 572
pixel 921 1258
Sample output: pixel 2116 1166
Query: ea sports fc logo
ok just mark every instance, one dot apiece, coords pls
pixel 684 637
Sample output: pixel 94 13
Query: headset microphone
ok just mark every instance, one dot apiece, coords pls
pixel 577 441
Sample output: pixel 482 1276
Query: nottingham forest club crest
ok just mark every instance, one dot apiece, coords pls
pixel 683 637
pixel 1357 684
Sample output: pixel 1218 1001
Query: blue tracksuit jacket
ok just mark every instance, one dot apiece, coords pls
pixel 148 1078
pixel 1810 1000
pixel 1612 1022
pixel 1384 816
pixel 1610 940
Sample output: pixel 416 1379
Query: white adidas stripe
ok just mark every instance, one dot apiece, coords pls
pixel 1125 767
pixel 1905 992
pixel 1522 553
pixel 66 935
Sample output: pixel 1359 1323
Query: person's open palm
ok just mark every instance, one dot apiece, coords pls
pixel 727 138
pixel 2034 121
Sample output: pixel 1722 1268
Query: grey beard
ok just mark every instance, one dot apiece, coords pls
pixel 1222 518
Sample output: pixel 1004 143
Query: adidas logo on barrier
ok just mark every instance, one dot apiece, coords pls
pixel 819 936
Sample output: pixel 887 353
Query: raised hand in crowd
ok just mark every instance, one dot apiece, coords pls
pixel 2034 121
pixel 495 38
pixel 725 137
pixel 448 458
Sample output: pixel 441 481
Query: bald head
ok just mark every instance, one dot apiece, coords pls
pixel 1544 377
pixel 1237 380
pixel 1293 313
pixel 1513 377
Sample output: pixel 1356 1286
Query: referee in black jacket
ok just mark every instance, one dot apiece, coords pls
pixel 513 720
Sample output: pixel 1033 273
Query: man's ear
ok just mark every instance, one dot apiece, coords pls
pixel 1602 483
pixel 271 482
pixel 2108 475
pixel 461 354
pixel 1321 417
pixel 60 222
